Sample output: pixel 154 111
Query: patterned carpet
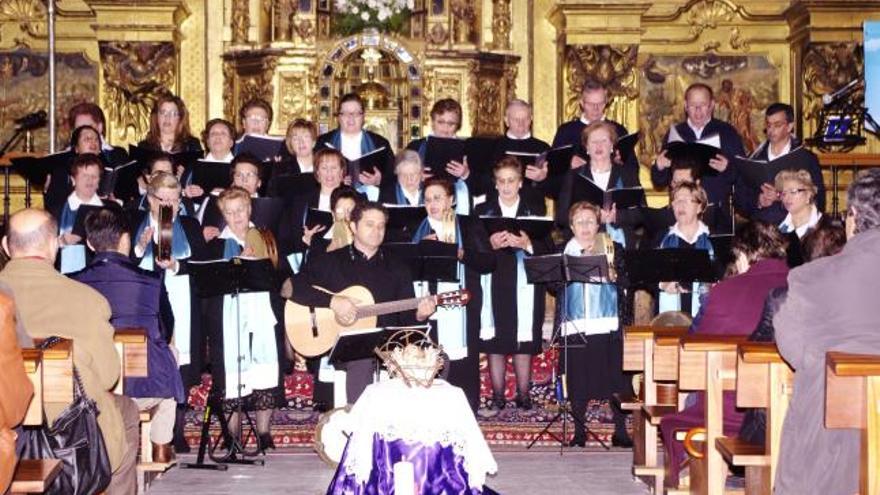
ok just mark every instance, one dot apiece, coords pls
pixel 294 426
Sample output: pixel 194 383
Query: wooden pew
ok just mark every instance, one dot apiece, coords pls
pixel 34 475
pixel 33 366
pixel 57 364
pixel 639 350
pixel 763 379
pixel 852 400
pixel 131 347
pixel 708 363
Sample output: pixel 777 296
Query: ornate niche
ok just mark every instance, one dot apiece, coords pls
pixel 248 75
pixel 614 66
pixel 492 84
pixel 383 71
pixel 135 74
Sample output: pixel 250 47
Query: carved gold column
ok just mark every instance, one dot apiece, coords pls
pixel 501 24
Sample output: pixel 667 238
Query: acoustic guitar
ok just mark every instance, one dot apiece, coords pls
pixel 313 331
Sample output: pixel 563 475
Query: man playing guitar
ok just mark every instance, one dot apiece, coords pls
pixel 361 263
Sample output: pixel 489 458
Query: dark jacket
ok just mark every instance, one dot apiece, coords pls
pixel 332 139
pixel 136 299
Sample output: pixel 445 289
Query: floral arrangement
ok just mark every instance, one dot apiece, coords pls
pixel 353 16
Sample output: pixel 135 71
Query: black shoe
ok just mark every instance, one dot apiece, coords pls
pixel 180 445
pixel 524 402
pixel 621 441
pixel 497 402
pixel 578 441
pixel 265 441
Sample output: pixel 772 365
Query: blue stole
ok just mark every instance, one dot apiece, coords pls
pixel 451 322
pixel 367 145
pixel 252 344
pixel 73 258
pixel 462 194
pixel 589 308
pixel 178 287
pixel 402 199
pixel 525 302
pixel 672 302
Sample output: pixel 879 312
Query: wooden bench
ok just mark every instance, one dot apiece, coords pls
pixel 639 354
pixel 33 367
pixel 34 475
pixel 708 363
pixel 852 400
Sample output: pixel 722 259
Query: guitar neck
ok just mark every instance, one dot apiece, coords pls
pixel 387 307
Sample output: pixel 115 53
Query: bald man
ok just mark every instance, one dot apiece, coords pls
pixel 50 304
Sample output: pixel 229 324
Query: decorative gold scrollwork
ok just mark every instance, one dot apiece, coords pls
pixel 29 14
pixel 241 20
pixel 614 66
pixel 827 68
pixel 707 15
pixel 135 74
pixel 501 24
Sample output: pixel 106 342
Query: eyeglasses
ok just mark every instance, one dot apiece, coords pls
pixel 169 114
pixel 791 192
pixel 245 175
pixel 586 222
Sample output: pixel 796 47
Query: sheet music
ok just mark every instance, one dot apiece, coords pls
pixel 714 141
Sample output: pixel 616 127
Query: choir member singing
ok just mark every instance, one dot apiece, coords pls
pixel 84 140
pixel 353 141
pixel 689 232
pixel 797 192
pixel 699 105
pixel 457 329
pixel 246 175
pixel 243 328
pixel 256 117
pixel 518 139
pixel 445 123
pixel 764 204
pixel 86 175
pixel 90 114
pixel 512 312
pixel 407 188
pixel 297 157
pixel 169 127
pixel 593 315
pixel 218 138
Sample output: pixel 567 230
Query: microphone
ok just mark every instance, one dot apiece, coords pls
pixel 31 121
pixel 829 98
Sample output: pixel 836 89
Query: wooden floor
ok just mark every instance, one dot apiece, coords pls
pixel 520 472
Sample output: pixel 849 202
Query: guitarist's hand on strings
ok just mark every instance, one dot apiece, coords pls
pixel 344 309
pixel 427 306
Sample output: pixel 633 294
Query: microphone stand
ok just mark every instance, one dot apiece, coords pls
pixel 6 170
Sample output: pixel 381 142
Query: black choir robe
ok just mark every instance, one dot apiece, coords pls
pixel 332 139
pixel 570 133
pixel 535 191
pixel 504 302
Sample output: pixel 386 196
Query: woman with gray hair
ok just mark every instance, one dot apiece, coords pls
pixel 831 306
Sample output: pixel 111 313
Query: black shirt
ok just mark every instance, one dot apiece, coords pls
pixel 385 277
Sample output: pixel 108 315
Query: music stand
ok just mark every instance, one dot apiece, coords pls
pixel 561 269
pixel 221 278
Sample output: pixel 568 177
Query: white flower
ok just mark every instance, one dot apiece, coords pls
pixel 365 16
pixel 383 14
pixel 354 10
pixel 410 4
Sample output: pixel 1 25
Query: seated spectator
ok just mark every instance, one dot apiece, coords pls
pixel 137 299
pixel 16 390
pixel 51 304
pixel 831 306
pixel 732 307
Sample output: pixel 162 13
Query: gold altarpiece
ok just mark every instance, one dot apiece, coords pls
pixel 218 53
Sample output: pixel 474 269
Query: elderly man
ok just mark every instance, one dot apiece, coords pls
pixel 699 105
pixel 831 306
pixel 51 304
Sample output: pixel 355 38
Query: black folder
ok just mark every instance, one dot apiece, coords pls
pixel 265 148
pixel 757 172
pixel 315 217
pixel 526 158
pixel 534 227
pixel 699 152
pixel 211 175
pixel 652 266
pixel 559 159
pixel 266 212
pixel 584 189
pixel 441 151
pixel 626 145
pixel 359 344
pixel 121 181
pixel 479 151
pixel 428 260
pixel 405 217
pixel 368 162
pixel 292 185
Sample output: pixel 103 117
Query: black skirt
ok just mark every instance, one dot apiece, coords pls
pixel 595 366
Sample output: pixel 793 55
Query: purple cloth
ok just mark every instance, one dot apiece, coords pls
pixel 438 470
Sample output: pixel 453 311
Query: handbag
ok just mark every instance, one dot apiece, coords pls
pixel 75 439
